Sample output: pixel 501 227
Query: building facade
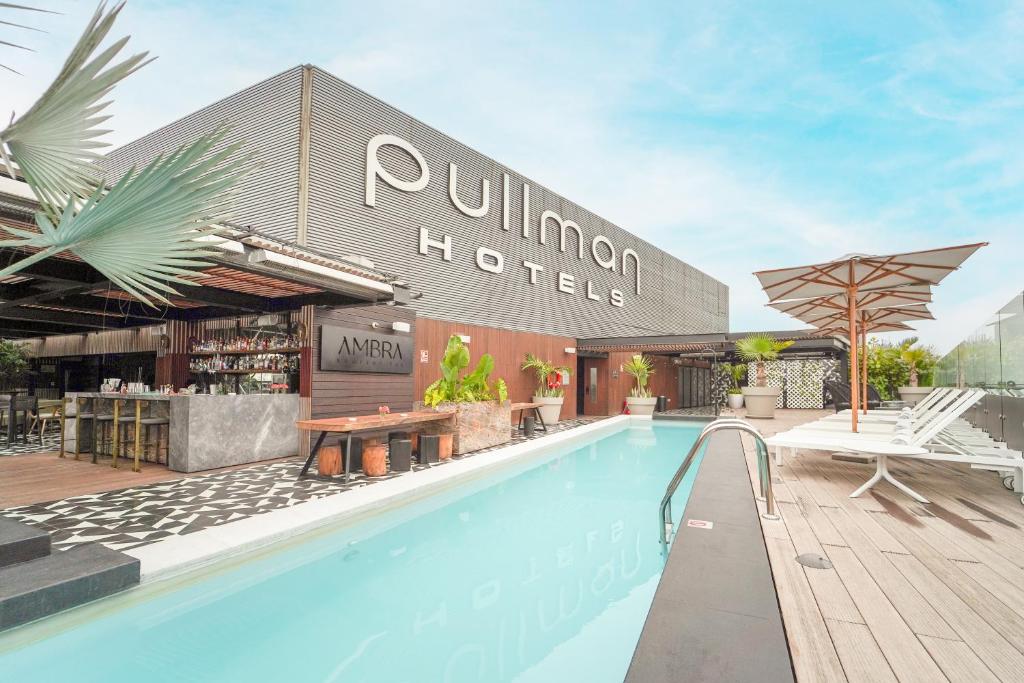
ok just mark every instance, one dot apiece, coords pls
pixel 486 252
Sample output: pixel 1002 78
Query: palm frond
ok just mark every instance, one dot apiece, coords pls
pixel 142 234
pixel 54 142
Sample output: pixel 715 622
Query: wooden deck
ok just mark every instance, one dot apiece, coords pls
pixel 44 477
pixel 916 592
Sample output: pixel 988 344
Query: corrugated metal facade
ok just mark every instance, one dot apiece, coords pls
pixel 266 117
pixel 674 297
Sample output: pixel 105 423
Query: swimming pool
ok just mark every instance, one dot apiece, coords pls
pixel 544 572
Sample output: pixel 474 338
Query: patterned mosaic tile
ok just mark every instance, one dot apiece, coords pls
pixel 51 442
pixel 137 516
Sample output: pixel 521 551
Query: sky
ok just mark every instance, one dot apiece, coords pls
pixel 738 136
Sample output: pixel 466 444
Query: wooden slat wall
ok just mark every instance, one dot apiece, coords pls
pixel 357 393
pixel 508 348
pixel 133 340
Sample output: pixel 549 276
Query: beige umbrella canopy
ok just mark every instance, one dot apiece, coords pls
pixel 900 296
pixel 869 317
pixel 856 275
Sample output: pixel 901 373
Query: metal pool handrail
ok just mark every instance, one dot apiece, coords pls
pixel 764 475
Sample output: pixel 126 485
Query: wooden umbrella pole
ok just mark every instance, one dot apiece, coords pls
pixel 851 306
pixel 864 360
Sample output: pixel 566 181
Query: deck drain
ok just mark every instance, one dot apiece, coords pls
pixel 814 561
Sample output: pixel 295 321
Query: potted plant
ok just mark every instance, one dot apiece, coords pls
pixel 483 412
pixel 737 371
pixel 640 401
pixel 918 360
pixel 758 349
pixel 549 391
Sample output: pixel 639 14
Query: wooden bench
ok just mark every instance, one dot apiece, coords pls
pixel 364 424
pixel 535 407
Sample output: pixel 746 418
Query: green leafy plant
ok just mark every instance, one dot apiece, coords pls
pixel 920 361
pixel 13 363
pixel 640 368
pixel 549 382
pixel 760 348
pixel 886 370
pixel 453 387
pixel 150 230
pixel 736 372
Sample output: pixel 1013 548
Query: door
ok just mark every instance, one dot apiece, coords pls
pixel 593 381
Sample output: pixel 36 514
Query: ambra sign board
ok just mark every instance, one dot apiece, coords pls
pixel 343 349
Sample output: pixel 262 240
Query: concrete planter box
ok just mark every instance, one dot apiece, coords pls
pixel 735 401
pixel 477 425
pixel 761 401
pixel 641 406
pixel 913 395
pixel 551 411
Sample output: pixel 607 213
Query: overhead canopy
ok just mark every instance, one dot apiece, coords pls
pixel 864 273
pixel 250 273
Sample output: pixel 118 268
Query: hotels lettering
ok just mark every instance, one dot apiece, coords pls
pixel 602 251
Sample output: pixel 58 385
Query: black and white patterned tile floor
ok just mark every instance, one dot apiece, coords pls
pixel 51 442
pixel 145 514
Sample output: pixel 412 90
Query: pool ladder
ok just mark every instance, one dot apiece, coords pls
pixel 764 475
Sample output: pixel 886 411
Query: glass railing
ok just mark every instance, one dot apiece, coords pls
pixel 992 358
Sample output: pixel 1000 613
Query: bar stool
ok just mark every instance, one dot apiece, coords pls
pixel 143 444
pixel 81 414
pixel 101 423
pixel 123 429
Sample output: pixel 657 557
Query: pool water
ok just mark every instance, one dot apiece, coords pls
pixel 541 574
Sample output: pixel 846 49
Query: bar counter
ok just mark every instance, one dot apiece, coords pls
pixel 210 431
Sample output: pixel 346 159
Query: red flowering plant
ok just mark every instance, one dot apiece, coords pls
pixel 383 410
pixel 549 376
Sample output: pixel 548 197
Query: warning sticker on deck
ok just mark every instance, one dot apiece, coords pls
pixel 700 524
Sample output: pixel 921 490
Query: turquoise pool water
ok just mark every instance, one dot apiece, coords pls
pixel 543 573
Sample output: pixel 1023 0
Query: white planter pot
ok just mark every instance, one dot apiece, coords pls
pixel 641 406
pixel 760 401
pixel 551 410
pixel 735 401
pixel 913 395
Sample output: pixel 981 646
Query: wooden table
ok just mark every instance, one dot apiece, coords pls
pixel 535 407
pixel 364 424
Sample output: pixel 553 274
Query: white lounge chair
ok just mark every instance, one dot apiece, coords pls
pixel 904 442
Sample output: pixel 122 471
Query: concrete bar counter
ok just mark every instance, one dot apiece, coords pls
pixel 208 431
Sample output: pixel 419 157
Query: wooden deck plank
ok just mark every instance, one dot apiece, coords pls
pixel 1004 620
pixel 915 610
pixel 958 661
pixel 1001 657
pixel 814 655
pixel 833 600
pixel 906 655
pixel 859 653
pixel 949 571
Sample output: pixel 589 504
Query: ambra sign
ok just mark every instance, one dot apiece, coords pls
pixel 343 349
pixel 601 250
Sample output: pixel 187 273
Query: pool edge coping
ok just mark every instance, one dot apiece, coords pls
pixel 177 555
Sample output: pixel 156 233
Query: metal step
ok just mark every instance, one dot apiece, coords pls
pixel 47 585
pixel 21 543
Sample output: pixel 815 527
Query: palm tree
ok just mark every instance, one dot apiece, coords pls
pixel 544 370
pixel 149 230
pixel 916 359
pixel 640 368
pixel 759 348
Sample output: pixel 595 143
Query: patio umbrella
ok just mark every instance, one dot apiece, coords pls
pixel 899 296
pixel 856 274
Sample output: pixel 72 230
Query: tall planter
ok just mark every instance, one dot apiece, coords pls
pixel 551 408
pixel 477 425
pixel 760 401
